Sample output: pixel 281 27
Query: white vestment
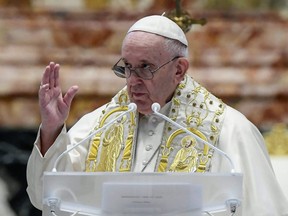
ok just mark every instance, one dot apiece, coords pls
pixel 238 137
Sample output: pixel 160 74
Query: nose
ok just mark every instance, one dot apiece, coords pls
pixel 134 79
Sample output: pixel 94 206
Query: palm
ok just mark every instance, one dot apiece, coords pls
pixel 54 107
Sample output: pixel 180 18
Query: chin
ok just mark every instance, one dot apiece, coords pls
pixel 144 109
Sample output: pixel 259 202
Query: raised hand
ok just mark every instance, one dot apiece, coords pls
pixel 54 107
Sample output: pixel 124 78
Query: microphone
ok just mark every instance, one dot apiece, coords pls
pixel 131 107
pixel 156 107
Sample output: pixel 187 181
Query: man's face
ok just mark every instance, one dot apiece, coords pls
pixel 139 50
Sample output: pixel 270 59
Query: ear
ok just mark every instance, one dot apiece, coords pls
pixel 182 67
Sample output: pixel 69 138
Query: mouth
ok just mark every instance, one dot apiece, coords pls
pixel 138 95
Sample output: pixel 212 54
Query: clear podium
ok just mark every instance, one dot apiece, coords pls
pixel 133 194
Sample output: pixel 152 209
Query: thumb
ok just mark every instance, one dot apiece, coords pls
pixel 68 97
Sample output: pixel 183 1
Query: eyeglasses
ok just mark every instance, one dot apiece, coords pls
pixel 122 70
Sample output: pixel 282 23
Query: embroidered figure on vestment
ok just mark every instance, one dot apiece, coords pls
pixel 192 106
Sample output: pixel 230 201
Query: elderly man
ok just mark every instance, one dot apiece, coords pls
pixel 154 61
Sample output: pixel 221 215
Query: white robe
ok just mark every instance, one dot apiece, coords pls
pixel 239 138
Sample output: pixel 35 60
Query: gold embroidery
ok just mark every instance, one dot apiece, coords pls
pixel 126 161
pixel 113 149
pixel 165 152
pixel 92 157
pixel 186 158
pixel 112 142
pixel 203 160
pixel 202 112
pixel 91 160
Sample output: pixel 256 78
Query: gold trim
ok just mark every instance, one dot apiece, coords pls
pixel 93 153
pixel 166 150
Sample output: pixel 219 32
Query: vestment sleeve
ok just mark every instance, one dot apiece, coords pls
pixel 73 161
pixel 242 141
pixel 38 164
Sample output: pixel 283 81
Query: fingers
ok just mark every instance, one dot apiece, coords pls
pixel 46 76
pixel 54 75
pixel 44 87
pixel 51 75
pixel 50 88
pixel 68 97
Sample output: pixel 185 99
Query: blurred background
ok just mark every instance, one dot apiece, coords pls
pixel 240 54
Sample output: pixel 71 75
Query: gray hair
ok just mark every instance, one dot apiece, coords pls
pixel 176 47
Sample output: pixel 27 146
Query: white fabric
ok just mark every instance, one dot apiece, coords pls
pixel 280 164
pixel 160 25
pixel 149 141
pixel 239 138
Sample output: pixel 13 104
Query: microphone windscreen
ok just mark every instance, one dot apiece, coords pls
pixel 132 107
pixel 155 107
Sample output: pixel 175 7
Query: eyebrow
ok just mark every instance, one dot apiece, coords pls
pixel 141 62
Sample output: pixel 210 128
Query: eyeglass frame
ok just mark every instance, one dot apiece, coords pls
pixel 123 75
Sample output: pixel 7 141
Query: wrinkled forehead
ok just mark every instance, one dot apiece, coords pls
pixel 143 38
pixel 144 44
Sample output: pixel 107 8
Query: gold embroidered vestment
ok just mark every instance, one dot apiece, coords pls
pixel 192 106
